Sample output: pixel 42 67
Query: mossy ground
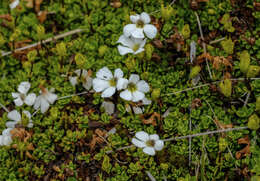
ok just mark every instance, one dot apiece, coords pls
pixel 62 139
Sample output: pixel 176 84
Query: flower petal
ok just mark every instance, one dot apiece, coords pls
pixel 30 99
pixel 138 33
pixel 14 4
pixel 126 41
pixel 124 50
pixel 158 145
pixel 149 151
pixel 73 80
pixel 84 73
pixel 109 107
pixel 154 137
pixel 88 83
pixel 129 29
pixel 14 115
pixel 118 73
pixel 10 124
pixel 51 98
pixel 28 114
pixel 135 18
pixel 137 96
pixel 7 140
pixel 44 105
pixel 18 101
pixel 138 143
pixel 145 17
pixel 141 135
pixel 24 87
pixel 137 110
pixel 150 31
pixel 108 92
pixel 121 83
pixel 1 140
pixel 99 85
pixel 143 86
pixel 126 95
pixel 77 72
pixel 104 74
pixel 37 103
pixel 134 78
pixel 146 101
pixel 6 132
pixel 15 95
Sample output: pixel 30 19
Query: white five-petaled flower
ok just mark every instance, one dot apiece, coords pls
pixel 6 137
pixel 21 96
pixel 16 117
pixel 84 76
pixel 44 100
pixel 130 45
pixel 140 26
pixel 14 4
pixel 135 90
pixel 107 83
pixel 149 143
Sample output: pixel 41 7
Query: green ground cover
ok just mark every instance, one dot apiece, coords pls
pixel 73 140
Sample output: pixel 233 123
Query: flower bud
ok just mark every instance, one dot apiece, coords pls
pixel 149 51
pixel 253 71
pixel 102 50
pixel 253 122
pixel 194 71
pixel 167 12
pixel 186 31
pixel 156 93
pixel 61 49
pixel 80 59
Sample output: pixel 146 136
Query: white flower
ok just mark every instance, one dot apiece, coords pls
pixel 14 4
pixel 44 100
pixel 107 83
pixel 149 143
pixel 82 75
pixel 16 117
pixel 141 25
pixel 22 97
pixel 130 45
pixel 192 51
pixel 135 89
pixel 6 137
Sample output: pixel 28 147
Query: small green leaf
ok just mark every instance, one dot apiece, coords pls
pixel 186 31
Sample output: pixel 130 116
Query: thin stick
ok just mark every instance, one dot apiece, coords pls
pixel 247 98
pixel 78 94
pixel 172 2
pixel 44 41
pixel 206 133
pixel 203 43
pixel 4 107
pixel 190 132
pixel 216 41
pixel 122 148
pixel 208 84
pixel 184 137
pixel 151 177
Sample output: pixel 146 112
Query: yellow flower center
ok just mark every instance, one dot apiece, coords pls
pixel 150 143
pixel 136 47
pixel 112 82
pixel 140 24
pixel 131 87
